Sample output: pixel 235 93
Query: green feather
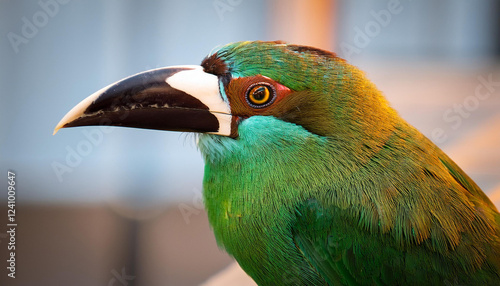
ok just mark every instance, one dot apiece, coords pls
pixel 337 189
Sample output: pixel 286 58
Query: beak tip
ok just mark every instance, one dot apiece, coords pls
pixel 60 125
pixel 77 111
pixel 56 129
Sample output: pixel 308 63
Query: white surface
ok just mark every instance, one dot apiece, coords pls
pixel 231 275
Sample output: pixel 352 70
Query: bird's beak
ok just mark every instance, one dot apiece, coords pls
pixel 180 98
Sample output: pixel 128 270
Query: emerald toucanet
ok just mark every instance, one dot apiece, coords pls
pixel 311 178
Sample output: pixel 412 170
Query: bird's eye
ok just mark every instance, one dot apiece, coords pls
pixel 260 95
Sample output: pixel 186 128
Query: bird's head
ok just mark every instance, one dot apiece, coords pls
pixel 307 87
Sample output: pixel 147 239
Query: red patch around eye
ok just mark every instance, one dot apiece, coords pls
pixel 282 89
pixel 238 94
pixel 279 87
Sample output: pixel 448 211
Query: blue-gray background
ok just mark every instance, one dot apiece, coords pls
pixel 85 45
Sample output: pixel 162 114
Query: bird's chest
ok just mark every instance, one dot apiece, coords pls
pixel 250 193
pixel 240 221
pixel 253 228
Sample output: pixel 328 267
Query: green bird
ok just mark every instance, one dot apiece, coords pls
pixel 311 178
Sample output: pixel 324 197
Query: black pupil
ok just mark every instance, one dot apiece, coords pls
pixel 260 93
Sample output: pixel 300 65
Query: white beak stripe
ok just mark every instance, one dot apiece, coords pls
pixel 201 85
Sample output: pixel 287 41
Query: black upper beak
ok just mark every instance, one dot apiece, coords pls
pixel 183 98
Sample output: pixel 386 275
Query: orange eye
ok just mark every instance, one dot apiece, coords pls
pixel 260 95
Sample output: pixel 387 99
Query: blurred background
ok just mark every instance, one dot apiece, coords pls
pixel 120 206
